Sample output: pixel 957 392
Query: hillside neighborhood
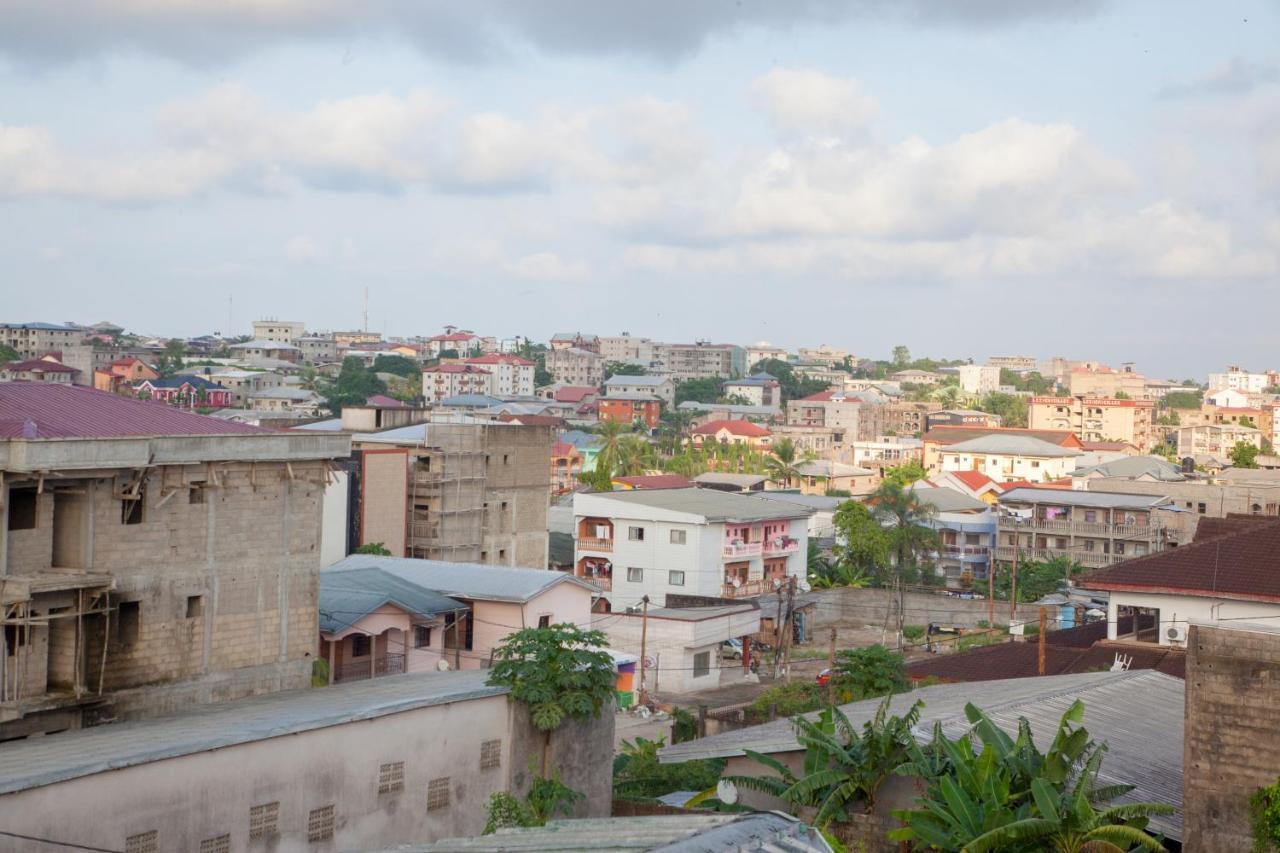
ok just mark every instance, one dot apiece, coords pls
pixel 196 563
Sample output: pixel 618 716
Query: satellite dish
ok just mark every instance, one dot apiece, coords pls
pixel 442 665
pixel 737 581
pixel 650 662
pixel 726 792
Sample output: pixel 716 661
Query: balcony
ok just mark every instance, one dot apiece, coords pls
pixel 591 543
pixel 1088 559
pixel 781 545
pixel 1083 528
pixel 604 582
pixel 735 551
pixel 389 664
pixel 424 530
pixel 745 589
pixel 966 551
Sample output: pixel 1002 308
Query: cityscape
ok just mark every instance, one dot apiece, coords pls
pixel 688 427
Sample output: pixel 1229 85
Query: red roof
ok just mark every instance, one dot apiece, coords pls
pixel 500 358
pixel 455 368
pixel 975 480
pixel 1238 565
pixel 563 448
pixel 742 428
pixel 1027 484
pixel 46 410
pixel 453 337
pixel 38 365
pixel 382 401
pixel 575 393
pixel 655 481
pixel 1104 445
pixel 826 396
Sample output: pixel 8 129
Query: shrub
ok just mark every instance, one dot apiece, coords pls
pixel 798 697
pixel 1264 818
pixel 872 671
pixel 913 632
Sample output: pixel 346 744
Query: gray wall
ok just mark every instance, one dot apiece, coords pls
pixel 581 750
pixel 847 606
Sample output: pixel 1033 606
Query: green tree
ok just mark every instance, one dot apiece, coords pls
pixel 399 365
pixel 871 671
pixel 635 455
pixel 560 672
pixel 375 548
pixel 1037 578
pixel 609 455
pixel 908 521
pixel 170 360
pixel 1244 455
pixel 783 464
pixel 1182 400
pixel 862 544
pixel 901 356
pixel 1121 395
pixel 354 385
pixel 7 354
pixel 792 385
pixel 637 774
pixel 623 368
pixel 906 473
pixel 1011 409
pixel 698 390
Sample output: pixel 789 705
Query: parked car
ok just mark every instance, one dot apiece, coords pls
pixel 731 649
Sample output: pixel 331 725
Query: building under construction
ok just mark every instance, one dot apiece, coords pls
pixel 473 491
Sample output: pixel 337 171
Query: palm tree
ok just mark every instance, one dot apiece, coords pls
pixel 910 534
pixel 949 396
pixel 611 433
pixel 635 456
pixel 783 466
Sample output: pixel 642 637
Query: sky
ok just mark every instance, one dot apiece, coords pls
pixel 1083 178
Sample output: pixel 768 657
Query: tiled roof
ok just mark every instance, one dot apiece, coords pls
pixel 40 365
pixel 742 428
pixel 957 434
pixel 1237 566
pixel 382 401
pixel 500 358
pixel 563 448
pixel 1235 522
pixel 46 410
pixel 975 480
pixel 575 393
pixel 655 481
pixel 453 337
pixel 455 368
pixel 180 380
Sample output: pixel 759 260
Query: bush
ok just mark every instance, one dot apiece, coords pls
pixel 798 697
pixel 872 671
pixel 319 673
pixel 913 632
pixel 638 775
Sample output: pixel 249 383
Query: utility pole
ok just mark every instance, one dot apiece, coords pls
pixel 991 593
pixel 1043 613
pixel 1013 584
pixel 644 633
pixel 777 635
pixel 790 629
pixel 831 666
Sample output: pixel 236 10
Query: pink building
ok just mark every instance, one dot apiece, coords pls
pixel 188 392
pixel 453 380
pixel 387 615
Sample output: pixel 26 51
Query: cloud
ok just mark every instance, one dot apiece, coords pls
pixel 302 250
pixel 1237 76
pixel 199 31
pixel 811 102
pixel 547 266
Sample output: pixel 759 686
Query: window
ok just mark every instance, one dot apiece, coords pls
pixel 490 754
pixel 360 646
pixel 217 844
pixel 502 553
pixel 438 794
pixel 701 664
pixel 195 495
pixel 678 537
pixel 143 842
pixel 264 821
pixel 127 617
pixel 635 534
pixel 544 621
pixel 505 458
pixel 131 509
pixel 1119 548
pixel 195 606
pixel 1201 508
pixel 1035 463
pixel 635 575
pixel 320 824
pixel 22 509
pixel 391 778
pixel 675 578
pixel 421 637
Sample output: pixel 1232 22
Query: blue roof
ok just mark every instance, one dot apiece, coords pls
pixel 43 327
pixel 348 596
pixel 580 439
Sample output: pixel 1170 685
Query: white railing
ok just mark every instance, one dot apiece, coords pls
pixel 743 549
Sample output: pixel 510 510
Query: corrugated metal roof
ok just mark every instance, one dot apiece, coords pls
pixel 473 581
pixel 1073 497
pixel 47 410
pixel 42 761
pixel 711 504
pixel 1132 467
pixel 638 381
pixel 944 499
pixel 1138 714
pixel 703 832
pixel 1013 445
pixel 348 596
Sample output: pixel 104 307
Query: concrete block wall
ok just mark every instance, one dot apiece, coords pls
pixel 1232 743
pixel 846 606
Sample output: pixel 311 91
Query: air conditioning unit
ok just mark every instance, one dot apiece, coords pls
pixel 1176 634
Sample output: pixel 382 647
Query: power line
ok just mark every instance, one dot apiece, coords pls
pixel 67 844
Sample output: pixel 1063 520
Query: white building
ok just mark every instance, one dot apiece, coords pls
pixel 690 542
pixel 760 389
pixel 1010 457
pixel 659 385
pixel 279 331
pixel 452 380
pixel 758 352
pixel 627 349
pixel 1239 379
pixel 511 375
pixel 980 379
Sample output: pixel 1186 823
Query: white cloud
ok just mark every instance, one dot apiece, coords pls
pixel 302 250
pixel 547 266
pixel 805 102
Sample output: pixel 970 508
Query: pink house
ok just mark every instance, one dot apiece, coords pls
pixel 386 615
pixel 188 392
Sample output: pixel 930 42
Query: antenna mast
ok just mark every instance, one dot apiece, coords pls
pixel 366 308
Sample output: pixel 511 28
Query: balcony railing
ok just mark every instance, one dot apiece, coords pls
pixel 424 529
pixel 742 549
pixel 781 545
pixel 1083 528
pixel 1089 559
pixel 389 664
pixel 746 589
pixel 605 583
pixel 966 550
pixel 591 543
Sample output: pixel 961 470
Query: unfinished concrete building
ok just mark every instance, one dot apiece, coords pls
pixel 150 559
pixel 466 492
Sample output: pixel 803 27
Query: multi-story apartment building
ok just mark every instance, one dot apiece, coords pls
pixel 909 418
pixel 150 559
pixel 761 351
pixel 888 453
pixel 688 542
pixel 46 369
pixel 32 340
pixel 859 419
pixel 630 409
pixel 1215 439
pixel 966 529
pixel 823 354
pixel 759 389
pixel 1007 458
pixel 575 340
pixel 936 440
pixel 626 349
pixel 317 349
pixel 280 331
pixel 453 340
pixel 576 366
pixel 466 492
pixel 355 338
pixel 1098 380
pixel 1096 419
pixel 1238 379
pixel 511 375
pixel 961 418
pixel 1093 529
pixel 260 351
pixel 1016 363
pixel 701 360
pixel 443 381
pixel 659 386
pixel 980 379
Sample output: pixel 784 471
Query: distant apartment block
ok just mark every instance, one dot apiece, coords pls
pixel 575 340
pixel 1016 363
pixel 32 340
pixel 280 331
pixel 1238 379
pixel 1090 528
pixel 980 379
pixel 823 354
pixel 576 366
pixel 701 360
pixel 961 418
pixel 1007 458
pixel 759 389
pixel 759 352
pixel 260 351
pixel 860 419
pixel 1217 440
pixel 628 409
pixel 909 418
pixel 626 349
pixel 317 349
pixel 511 375
pixel 881 455
pixel 1095 419
pixel 443 381
pixel 1101 381
pixel 661 387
